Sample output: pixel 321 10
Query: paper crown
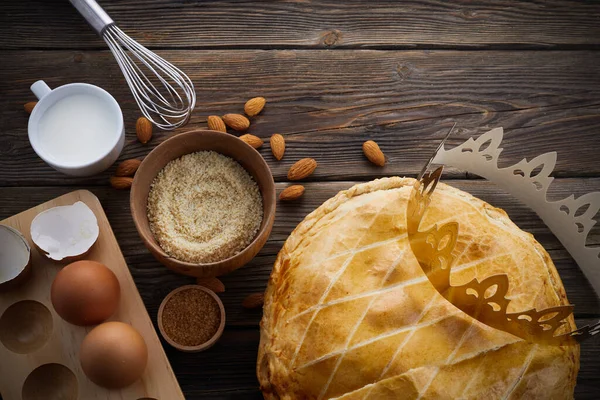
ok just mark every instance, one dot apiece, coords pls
pixel 570 219
pixel 433 248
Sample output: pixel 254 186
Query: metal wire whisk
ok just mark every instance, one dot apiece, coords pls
pixel 163 92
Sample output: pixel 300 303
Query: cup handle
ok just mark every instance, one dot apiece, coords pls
pixel 40 89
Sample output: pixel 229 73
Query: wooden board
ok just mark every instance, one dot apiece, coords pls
pixel 335 73
pixel 227 371
pixel 405 102
pixel 64 339
pixel 312 24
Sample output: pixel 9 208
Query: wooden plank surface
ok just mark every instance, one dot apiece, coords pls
pixel 406 101
pixel 334 74
pixel 227 371
pixel 154 280
pixel 311 24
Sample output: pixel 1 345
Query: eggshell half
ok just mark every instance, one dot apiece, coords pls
pixel 15 258
pixel 65 232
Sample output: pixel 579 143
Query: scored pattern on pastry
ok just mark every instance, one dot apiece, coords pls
pixel 447 362
pixel 411 329
pixel 521 374
pixel 351 253
pixel 570 219
pixel 434 250
pixel 331 285
pixel 355 328
pixel 321 305
pixel 420 279
pixel 374 294
pixel 373 318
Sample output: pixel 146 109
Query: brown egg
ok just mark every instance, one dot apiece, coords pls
pixel 113 355
pixel 85 293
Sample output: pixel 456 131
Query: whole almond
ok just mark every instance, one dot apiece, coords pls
pixel 254 106
pixel 121 182
pixel 236 122
pixel 128 167
pixel 143 129
pixel 252 140
pixel 291 192
pixel 254 300
pixel 302 169
pixel 374 153
pixel 277 146
pixel 213 284
pixel 215 123
pixel 29 106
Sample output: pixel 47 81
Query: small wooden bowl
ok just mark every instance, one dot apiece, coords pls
pixel 191 142
pixel 209 343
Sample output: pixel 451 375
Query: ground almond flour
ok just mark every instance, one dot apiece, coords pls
pixel 204 207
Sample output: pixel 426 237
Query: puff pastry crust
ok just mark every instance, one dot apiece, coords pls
pixel 349 314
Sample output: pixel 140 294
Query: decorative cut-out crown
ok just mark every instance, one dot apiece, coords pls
pixel 486 300
pixel 570 219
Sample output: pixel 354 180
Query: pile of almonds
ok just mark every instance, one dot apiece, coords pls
pixel 124 173
pixel 238 122
pixel 123 178
pixel 302 169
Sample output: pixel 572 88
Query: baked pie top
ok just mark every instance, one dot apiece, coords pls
pixel 349 313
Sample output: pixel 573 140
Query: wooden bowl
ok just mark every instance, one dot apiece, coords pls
pixel 191 142
pixel 209 343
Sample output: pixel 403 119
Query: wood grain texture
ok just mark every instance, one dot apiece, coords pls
pixel 226 371
pixel 310 24
pixel 327 103
pixel 64 340
pixel 387 79
pixel 154 281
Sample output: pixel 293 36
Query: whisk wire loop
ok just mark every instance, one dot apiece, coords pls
pixel 143 55
pixel 170 104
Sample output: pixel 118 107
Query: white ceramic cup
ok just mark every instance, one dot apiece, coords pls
pixel 96 164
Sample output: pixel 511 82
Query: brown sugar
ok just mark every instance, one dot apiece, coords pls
pixel 191 317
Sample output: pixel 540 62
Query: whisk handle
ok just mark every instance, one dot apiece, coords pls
pixel 93 14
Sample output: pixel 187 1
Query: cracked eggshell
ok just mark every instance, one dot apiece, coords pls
pixel 65 233
pixel 15 258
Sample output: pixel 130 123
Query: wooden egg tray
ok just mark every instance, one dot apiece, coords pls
pixel 39 352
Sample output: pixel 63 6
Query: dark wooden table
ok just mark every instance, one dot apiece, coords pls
pixel 335 74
